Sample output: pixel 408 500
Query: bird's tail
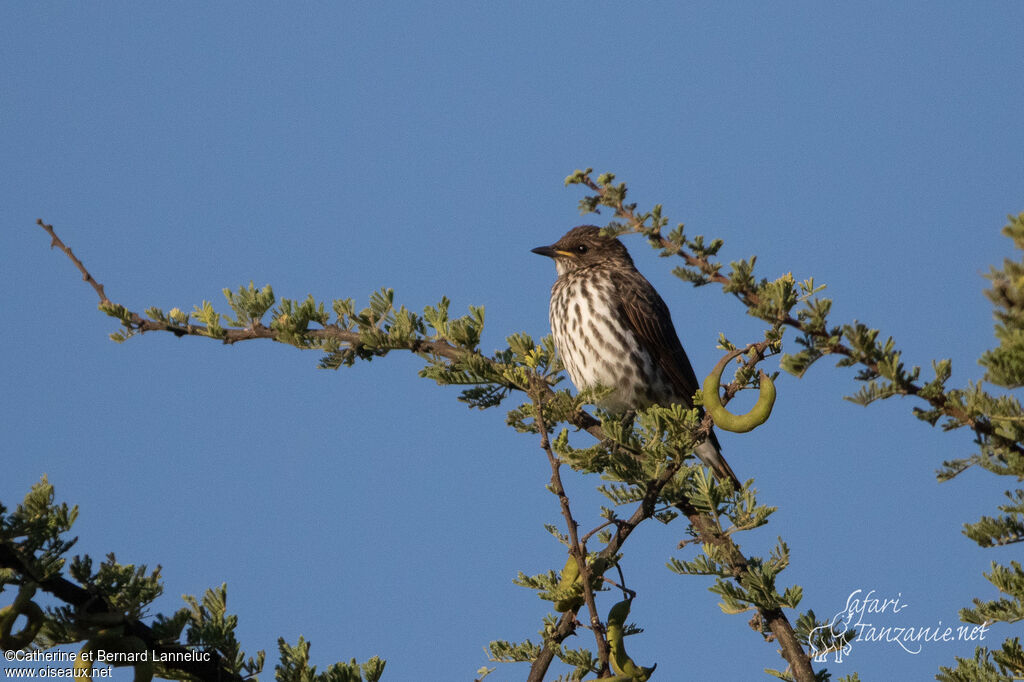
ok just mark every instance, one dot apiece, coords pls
pixel 711 456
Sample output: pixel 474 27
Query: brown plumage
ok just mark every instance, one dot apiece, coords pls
pixel 612 329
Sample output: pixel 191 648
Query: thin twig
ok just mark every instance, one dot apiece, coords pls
pixel 577 549
pixel 55 241
pixel 596 530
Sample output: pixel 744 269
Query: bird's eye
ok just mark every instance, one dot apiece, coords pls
pixel 582 248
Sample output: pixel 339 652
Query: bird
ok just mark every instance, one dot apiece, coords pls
pixel 612 328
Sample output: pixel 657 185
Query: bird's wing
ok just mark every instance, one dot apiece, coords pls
pixel 649 318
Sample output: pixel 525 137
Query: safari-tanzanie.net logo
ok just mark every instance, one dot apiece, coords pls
pixel 872 619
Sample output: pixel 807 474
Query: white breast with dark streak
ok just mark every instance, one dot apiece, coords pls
pixel 596 346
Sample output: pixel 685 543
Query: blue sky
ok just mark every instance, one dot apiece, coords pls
pixel 334 149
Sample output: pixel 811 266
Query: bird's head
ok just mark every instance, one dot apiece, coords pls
pixel 585 246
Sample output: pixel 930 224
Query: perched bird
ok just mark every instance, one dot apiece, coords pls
pixel 612 329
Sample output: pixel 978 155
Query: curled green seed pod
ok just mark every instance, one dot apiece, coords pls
pixel 731 422
pixel 22 606
pixel 622 665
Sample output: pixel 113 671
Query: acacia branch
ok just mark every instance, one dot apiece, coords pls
pixel 706 527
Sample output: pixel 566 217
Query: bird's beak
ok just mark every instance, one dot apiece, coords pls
pixel 551 252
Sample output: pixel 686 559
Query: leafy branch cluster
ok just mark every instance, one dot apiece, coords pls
pixel 104 606
pixel 999 452
pixel 647 463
